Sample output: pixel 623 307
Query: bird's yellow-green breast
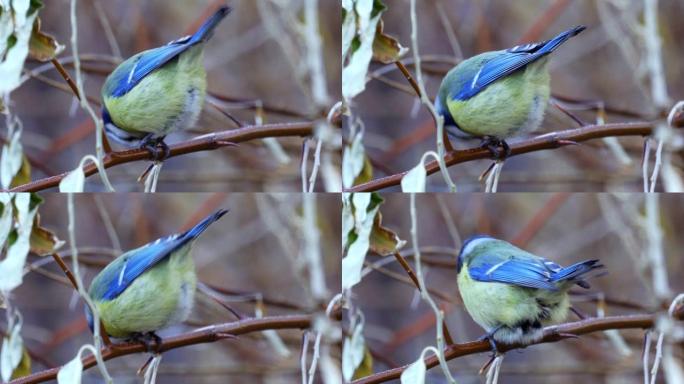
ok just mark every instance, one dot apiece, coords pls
pixel 181 83
pixel 492 304
pixel 512 105
pixel 156 299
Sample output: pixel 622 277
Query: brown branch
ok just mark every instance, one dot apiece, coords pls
pixel 551 334
pixel 408 77
pixel 66 77
pixel 547 141
pixel 65 269
pixel 204 335
pixel 202 143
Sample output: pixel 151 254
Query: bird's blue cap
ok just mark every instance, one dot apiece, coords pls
pixel 464 247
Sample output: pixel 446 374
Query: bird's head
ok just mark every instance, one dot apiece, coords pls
pixel 469 245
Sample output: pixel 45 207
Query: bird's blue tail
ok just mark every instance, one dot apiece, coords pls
pixel 204 224
pixel 204 32
pixel 562 37
pixel 575 272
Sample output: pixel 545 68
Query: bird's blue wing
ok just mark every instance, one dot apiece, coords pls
pixel 117 277
pixel 511 60
pixel 144 63
pixel 134 264
pixel 496 68
pixel 527 272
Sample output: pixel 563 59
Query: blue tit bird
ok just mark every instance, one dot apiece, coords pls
pixel 158 91
pixel 512 293
pixel 500 94
pixel 148 288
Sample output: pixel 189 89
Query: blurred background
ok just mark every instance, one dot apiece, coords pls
pixel 605 64
pixel 564 228
pixel 256 250
pixel 255 58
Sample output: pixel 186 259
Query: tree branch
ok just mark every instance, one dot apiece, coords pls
pixel 551 334
pixel 203 335
pixel 547 141
pixel 202 143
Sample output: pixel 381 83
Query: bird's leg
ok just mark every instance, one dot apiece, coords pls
pixel 489 336
pixel 157 342
pixel 150 340
pixel 506 149
pixel 157 147
pixel 492 144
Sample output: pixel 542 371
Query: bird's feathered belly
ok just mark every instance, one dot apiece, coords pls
pixel 180 85
pixel 171 284
pixel 508 107
pixel 516 313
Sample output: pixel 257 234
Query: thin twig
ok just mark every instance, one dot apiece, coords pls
pixel 551 334
pixel 207 334
pixel 66 77
pixel 551 140
pixel 202 143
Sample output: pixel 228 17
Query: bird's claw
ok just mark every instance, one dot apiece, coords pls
pixel 499 148
pixel 489 337
pixel 157 148
pixel 150 340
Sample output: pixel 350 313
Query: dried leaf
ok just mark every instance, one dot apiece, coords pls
pixel 366 173
pixel 11 268
pixel 43 46
pixel 23 176
pixel 16 24
pixel 364 207
pixel 11 160
pixel 24 367
pixel 11 353
pixel 43 242
pixel 384 241
pixel 353 352
pixel 366 366
pixel 353 160
pixel 386 49
pixel 358 33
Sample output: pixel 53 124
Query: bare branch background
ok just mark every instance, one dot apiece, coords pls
pixel 240 260
pixel 563 227
pixel 592 70
pixel 249 77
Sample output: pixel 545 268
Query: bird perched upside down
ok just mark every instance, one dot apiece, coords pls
pixel 499 94
pixel 158 91
pixel 148 288
pixel 512 293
